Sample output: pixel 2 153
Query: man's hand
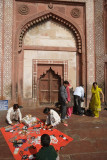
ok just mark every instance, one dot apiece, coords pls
pixel 66 102
pixel 102 100
pixel 49 127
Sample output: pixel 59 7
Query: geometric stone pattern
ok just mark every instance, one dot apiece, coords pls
pixel 1 25
pixel 90 43
pixel 7 63
pixel 101 58
pixel 90 46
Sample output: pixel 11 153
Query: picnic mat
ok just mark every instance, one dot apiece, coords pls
pixel 25 142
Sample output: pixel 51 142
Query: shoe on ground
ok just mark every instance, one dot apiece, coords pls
pixel 63 121
pixel 67 117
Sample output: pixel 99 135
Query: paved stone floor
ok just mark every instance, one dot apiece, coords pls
pixel 89 134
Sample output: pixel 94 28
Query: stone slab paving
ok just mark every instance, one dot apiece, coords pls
pixel 89 134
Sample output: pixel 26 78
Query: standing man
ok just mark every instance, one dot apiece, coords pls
pixel 14 113
pixel 63 100
pixel 78 97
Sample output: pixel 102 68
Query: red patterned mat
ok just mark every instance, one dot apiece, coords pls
pixel 29 143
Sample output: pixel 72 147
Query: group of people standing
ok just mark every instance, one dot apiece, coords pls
pixel 70 100
pixel 77 97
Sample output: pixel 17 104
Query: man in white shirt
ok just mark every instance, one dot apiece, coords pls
pixel 14 113
pixel 78 97
pixel 53 118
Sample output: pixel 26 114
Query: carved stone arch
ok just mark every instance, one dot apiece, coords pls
pixel 17 90
pixel 55 16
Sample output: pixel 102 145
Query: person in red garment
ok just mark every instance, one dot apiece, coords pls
pixel 70 100
pixel 47 152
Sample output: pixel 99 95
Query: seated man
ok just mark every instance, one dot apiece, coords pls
pixel 14 113
pixel 52 117
pixel 47 152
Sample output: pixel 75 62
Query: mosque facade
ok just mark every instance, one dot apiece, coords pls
pixel 44 42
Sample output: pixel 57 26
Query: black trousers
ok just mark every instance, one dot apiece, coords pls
pixel 77 105
pixel 63 110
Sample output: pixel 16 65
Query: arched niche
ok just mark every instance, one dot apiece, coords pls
pixel 73 48
pixel 51 42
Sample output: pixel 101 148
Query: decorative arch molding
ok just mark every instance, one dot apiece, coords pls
pixel 50 68
pixel 55 16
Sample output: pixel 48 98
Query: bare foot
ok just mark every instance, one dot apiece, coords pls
pixel 83 115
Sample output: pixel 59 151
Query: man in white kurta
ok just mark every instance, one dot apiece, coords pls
pixel 14 113
pixel 78 97
pixel 53 118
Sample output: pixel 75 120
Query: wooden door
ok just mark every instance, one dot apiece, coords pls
pixel 49 85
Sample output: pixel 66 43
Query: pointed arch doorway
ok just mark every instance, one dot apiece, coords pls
pixel 44 42
pixel 49 85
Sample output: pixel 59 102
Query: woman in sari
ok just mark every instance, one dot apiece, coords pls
pixel 95 103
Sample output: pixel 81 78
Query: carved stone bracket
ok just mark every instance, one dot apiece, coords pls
pixel 54 18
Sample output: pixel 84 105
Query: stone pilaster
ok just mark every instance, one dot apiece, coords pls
pixel 7 58
pixel 101 58
pixel 1 36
